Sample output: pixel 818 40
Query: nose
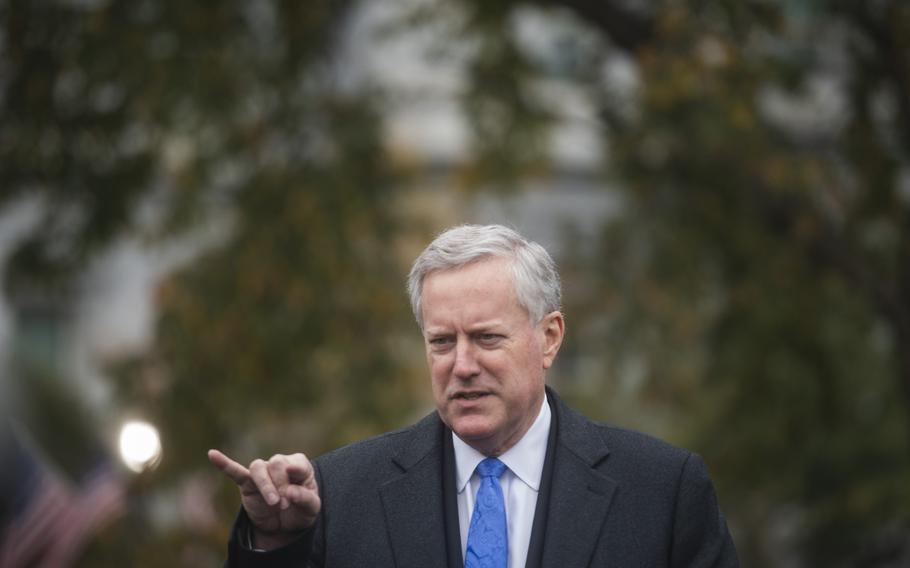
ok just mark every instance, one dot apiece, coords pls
pixel 466 365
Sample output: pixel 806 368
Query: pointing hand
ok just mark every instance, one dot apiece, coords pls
pixel 280 495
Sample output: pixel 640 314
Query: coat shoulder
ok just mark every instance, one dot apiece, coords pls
pixel 632 442
pixel 623 452
pixel 381 449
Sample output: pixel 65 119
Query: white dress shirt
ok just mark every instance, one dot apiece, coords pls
pixel 520 484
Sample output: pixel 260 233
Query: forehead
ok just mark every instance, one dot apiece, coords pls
pixel 483 273
pixel 480 288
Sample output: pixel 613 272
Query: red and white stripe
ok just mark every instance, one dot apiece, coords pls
pixel 59 523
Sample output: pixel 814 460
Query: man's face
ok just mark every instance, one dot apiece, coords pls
pixel 487 360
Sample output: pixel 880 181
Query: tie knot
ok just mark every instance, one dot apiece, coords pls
pixel 491 467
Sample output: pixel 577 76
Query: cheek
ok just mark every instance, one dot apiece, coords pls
pixel 436 360
pixel 439 369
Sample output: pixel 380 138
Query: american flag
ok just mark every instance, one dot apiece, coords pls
pixel 50 519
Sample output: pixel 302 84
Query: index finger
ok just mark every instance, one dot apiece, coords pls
pixel 232 469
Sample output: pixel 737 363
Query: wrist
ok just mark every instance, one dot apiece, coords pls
pixel 271 540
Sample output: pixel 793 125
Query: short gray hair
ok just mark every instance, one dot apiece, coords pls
pixel 534 273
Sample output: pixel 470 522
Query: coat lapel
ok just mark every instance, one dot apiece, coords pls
pixel 413 503
pixel 580 496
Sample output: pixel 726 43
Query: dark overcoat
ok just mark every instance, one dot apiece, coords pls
pixel 609 497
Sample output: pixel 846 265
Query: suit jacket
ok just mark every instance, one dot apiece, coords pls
pixel 610 497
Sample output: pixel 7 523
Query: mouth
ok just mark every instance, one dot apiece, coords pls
pixel 469 395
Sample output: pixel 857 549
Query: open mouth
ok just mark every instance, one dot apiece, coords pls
pixel 469 395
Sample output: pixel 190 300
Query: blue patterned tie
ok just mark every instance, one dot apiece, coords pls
pixel 488 542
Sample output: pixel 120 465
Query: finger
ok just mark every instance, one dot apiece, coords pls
pixel 303 497
pixel 259 473
pixel 232 469
pixel 300 471
pixel 278 471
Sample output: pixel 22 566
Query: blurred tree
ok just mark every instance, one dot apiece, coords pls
pixel 758 281
pixel 155 117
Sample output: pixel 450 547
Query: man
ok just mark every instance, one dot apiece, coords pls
pixel 503 473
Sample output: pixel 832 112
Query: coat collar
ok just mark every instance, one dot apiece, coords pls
pixel 580 495
pixel 413 502
pixel 578 434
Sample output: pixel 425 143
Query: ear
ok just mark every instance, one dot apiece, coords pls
pixel 553 327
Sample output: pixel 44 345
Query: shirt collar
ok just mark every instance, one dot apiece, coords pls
pixel 525 459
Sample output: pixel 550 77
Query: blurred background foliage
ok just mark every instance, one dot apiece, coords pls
pixel 749 297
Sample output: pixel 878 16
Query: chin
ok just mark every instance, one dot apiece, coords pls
pixel 472 428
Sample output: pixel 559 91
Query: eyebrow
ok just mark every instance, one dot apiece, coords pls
pixel 479 327
pixel 485 326
pixel 436 330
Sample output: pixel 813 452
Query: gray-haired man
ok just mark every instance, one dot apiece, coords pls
pixel 564 491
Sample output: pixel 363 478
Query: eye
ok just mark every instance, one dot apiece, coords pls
pixel 441 342
pixel 489 339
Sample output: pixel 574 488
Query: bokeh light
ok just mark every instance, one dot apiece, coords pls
pixel 140 446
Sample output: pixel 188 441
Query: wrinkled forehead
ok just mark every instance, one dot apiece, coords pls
pixel 489 264
pixel 475 290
